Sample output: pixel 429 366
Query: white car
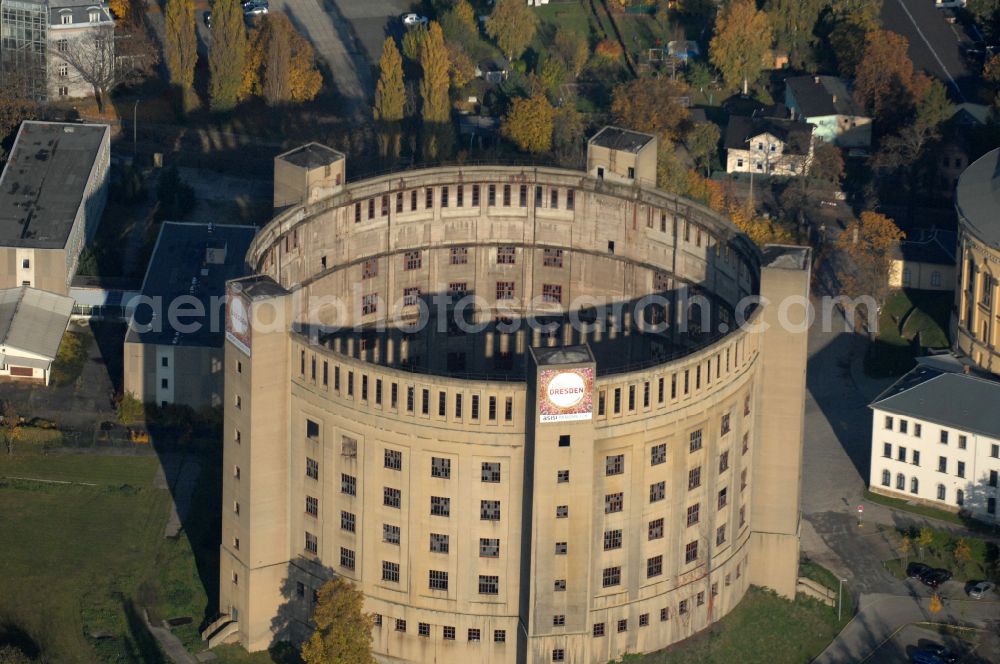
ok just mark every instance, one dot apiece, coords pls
pixel 413 20
pixel 980 590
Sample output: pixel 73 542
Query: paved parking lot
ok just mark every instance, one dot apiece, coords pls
pixel 908 640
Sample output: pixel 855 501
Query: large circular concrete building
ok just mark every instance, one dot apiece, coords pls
pixel 455 388
pixel 976 318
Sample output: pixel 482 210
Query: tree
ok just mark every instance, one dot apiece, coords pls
pixel 462 69
pixel 551 73
pixel 651 105
pixel 11 425
pixel 529 124
pixel 759 229
pixel 435 107
pixel 280 63
pixel 104 60
pixel 962 552
pixel 869 245
pixel 572 47
pixel 512 26
pixel 905 548
pixel 847 24
pixel 933 106
pixel 390 97
pixel 227 55
pixel 413 43
pixel 120 9
pixel 827 164
pixel 702 142
pixel 567 131
pixel 924 539
pixel 343 631
pixel 935 605
pixel 698 75
pixel 459 25
pixel 12 655
pixel 181 48
pixel 884 74
pixel 741 43
pixel 793 22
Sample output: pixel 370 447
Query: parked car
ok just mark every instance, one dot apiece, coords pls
pixel 413 20
pixel 925 657
pixel 255 7
pixel 941 652
pixel 208 20
pixel 935 577
pixel 917 570
pixel 981 589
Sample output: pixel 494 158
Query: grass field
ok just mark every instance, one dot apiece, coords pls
pixel 926 510
pixel 81 561
pixel 910 322
pixel 763 629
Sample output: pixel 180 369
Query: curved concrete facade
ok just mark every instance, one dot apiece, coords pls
pixel 975 327
pixel 429 469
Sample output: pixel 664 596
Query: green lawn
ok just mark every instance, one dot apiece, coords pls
pixel 763 629
pixel 911 322
pixel 940 552
pixel 926 510
pixel 81 562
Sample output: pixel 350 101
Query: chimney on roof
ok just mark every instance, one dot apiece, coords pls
pixel 834 99
pixel 816 79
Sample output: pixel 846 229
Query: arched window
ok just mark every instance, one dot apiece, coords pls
pixel 901 482
pixel 914 485
pixel 886 478
pixel 959 497
pixel 941 492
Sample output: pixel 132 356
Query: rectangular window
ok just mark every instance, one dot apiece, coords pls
pixel 903 426
pixel 369 268
pixel 371 208
pixel 917 429
pixel 508 409
pixel 655 529
pixel 694 478
pixel 552 293
pixel 499 636
pixel 491 195
pixel 393 460
pixel 562 511
pixel 658 454
pixel 390 573
pixel 448 633
pixel 612 539
pixel 553 198
pixel 399 202
pixel 390 534
pixel 473 634
pixel 489 585
pixel 439 543
pixel 425 402
pixel 599 629
pixel 460 195
pixel 962 442
pixel 412 260
pixel 437 580
pixel 695 440
pixel 506 195
pixel 538 196
pixel 348 484
pixel 440 506
pixel 657 491
pixel 724 462
pixel 552 258
pixel 428 198
pixel 493 409
pixel 613 502
pixel 369 305
pixel 440 467
pixel 942 464
pixel 489 547
pixel 505 290
pixel 611 576
pixel 391 497
pixel 346 558
pixel 561 548
pixel 423 629
pixel 888 423
pixel 654 566
pixel 489 510
pixel 693 514
pixel 887 450
pixel 691 552
pixel 901 453
pixel 614 465
pixel 720 535
pixel 312 543
pixel 506 255
pixel 459 256
pixel 562 476
pixel 347 522
pixel 944 434
pixel 725 425
pixel 960 470
pixel 312 468
pixel 569 199
pixel 491 471
pixel 444 197
pixel 312 506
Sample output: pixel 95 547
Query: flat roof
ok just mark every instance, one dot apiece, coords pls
pixel 42 185
pixel 956 400
pixel 260 287
pixel 616 138
pixel 190 261
pixel 562 355
pixel 311 155
pixel 34 321
pixel 977 198
pixel 785 257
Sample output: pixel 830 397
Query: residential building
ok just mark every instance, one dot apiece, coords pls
pixel 41 39
pixel 622 155
pixel 826 102
pixel 52 195
pixel 32 323
pixel 925 260
pixel 936 441
pixel 974 326
pixel 768 146
pixel 173 355
pixel 505 493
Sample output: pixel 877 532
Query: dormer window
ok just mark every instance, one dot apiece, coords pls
pixel 95 16
pixel 66 19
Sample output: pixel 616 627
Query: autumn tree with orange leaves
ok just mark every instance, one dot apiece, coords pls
pixel 652 106
pixel 884 83
pixel 869 245
pixel 280 64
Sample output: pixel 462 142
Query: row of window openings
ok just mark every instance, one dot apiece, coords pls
pixel 505 290
pixel 506 255
pixel 942 491
pixel 312 428
pixel 631 393
pixel 445 199
pixel 474 634
pixel 904 427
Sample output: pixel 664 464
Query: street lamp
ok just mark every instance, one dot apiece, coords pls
pixel 840 598
pixel 135 127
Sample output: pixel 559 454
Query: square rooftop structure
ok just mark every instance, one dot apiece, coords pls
pixel 259 287
pixel 307 174
pixel 785 257
pixel 622 155
pixel 47 181
pixel 556 355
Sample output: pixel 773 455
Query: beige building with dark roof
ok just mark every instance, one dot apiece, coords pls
pixel 32 323
pixel 593 485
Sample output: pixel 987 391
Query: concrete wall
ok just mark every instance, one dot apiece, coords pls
pixel 187 375
pixel 295 185
pixel 46 271
pixel 613 165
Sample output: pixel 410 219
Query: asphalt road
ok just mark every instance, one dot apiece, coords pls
pixel 934 44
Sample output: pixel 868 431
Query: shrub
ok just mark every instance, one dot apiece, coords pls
pixel 130 409
pixel 609 49
pixel 175 197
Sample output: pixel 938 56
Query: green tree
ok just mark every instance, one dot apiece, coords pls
pixel 435 107
pixel 512 25
pixel 962 552
pixel 933 107
pixel 793 22
pixel 551 73
pixel 741 43
pixel 343 630
pixel 413 43
pixel 529 124
pixel 651 105
pixel 11 655
pixel 847 25
pixel 181 48
pixel 459 24
pixel 698 75
pixel 11 425
pixel 567 131
pixel 924 539
pixel 390 97
pixel 572 47
pixel 702 142
pixel 227 55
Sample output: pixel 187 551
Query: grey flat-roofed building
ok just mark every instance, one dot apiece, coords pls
pixel 32 323
pixel 177 358
pixel 52 194
pixel 622 155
